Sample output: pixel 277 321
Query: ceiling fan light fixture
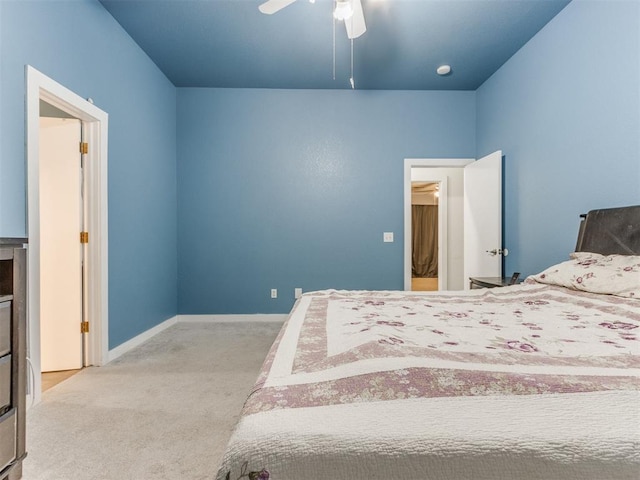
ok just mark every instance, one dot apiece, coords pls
pixel 343 10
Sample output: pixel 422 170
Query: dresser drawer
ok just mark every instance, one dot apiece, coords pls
pixel 7 438
pixel 5 381
pixel 5 328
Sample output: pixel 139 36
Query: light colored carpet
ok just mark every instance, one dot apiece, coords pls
pixel 164 410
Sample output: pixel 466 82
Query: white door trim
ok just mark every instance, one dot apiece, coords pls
pixel 95 127
pixel 410 163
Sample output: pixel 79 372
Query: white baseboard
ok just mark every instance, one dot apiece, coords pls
pixel 258 317
pixel 139 339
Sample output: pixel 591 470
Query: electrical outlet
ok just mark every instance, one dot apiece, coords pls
pixel 274 293
pixel 387 237
pixel 297 293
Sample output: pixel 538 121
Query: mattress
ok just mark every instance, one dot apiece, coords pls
pixel 532 381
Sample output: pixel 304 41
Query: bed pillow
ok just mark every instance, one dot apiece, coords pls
pixel 591 272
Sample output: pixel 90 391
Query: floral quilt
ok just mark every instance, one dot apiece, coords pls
pixel 341 348
pixel 363 346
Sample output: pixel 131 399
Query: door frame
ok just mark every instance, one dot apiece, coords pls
pixel 409 164
pixel 95 132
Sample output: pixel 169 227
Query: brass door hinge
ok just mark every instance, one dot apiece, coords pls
pixel 84 147
pixel 84 237
pixel 84 327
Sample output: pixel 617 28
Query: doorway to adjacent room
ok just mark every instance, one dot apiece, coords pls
pixel 448 175
pixel 424 233
pixel 93 286
pixel 469 214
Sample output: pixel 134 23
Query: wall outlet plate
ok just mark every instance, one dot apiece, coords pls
pixel 387 237
pixel 274 293
pixel 297 292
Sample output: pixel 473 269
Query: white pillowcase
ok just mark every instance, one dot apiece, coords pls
pixel 591 272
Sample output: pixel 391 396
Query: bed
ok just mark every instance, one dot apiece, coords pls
pixel 532 381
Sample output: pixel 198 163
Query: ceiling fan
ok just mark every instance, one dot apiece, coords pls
pixel 348 10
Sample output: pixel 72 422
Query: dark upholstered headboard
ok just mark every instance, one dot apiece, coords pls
pixel 610 231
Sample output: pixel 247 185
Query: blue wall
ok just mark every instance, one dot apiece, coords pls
pixel 79 44
pixel 294 188
pixel 565 110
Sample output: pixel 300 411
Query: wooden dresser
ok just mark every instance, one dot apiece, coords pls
pixel 13 363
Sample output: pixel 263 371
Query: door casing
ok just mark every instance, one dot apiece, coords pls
pixel 468 248
pixel 95 132
pixel 409 164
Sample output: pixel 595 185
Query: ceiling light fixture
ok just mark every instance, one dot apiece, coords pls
pixel 349 11
pixel 343 10
pixel 444 70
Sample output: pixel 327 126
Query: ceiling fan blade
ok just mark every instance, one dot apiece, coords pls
pixel 273 6
pixel 355 25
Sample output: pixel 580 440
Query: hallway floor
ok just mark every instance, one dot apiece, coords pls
pixel 51 379
pixel 424 284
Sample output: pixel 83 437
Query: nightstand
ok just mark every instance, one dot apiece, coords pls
pixel 491 282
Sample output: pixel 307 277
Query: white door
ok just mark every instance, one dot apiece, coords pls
pixel 60 248
pixel 483 217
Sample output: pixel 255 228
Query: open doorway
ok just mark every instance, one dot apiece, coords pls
pixel 469 217
pixel 94 128
pixel 61 252
pixel 424 235
pixel 448 175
